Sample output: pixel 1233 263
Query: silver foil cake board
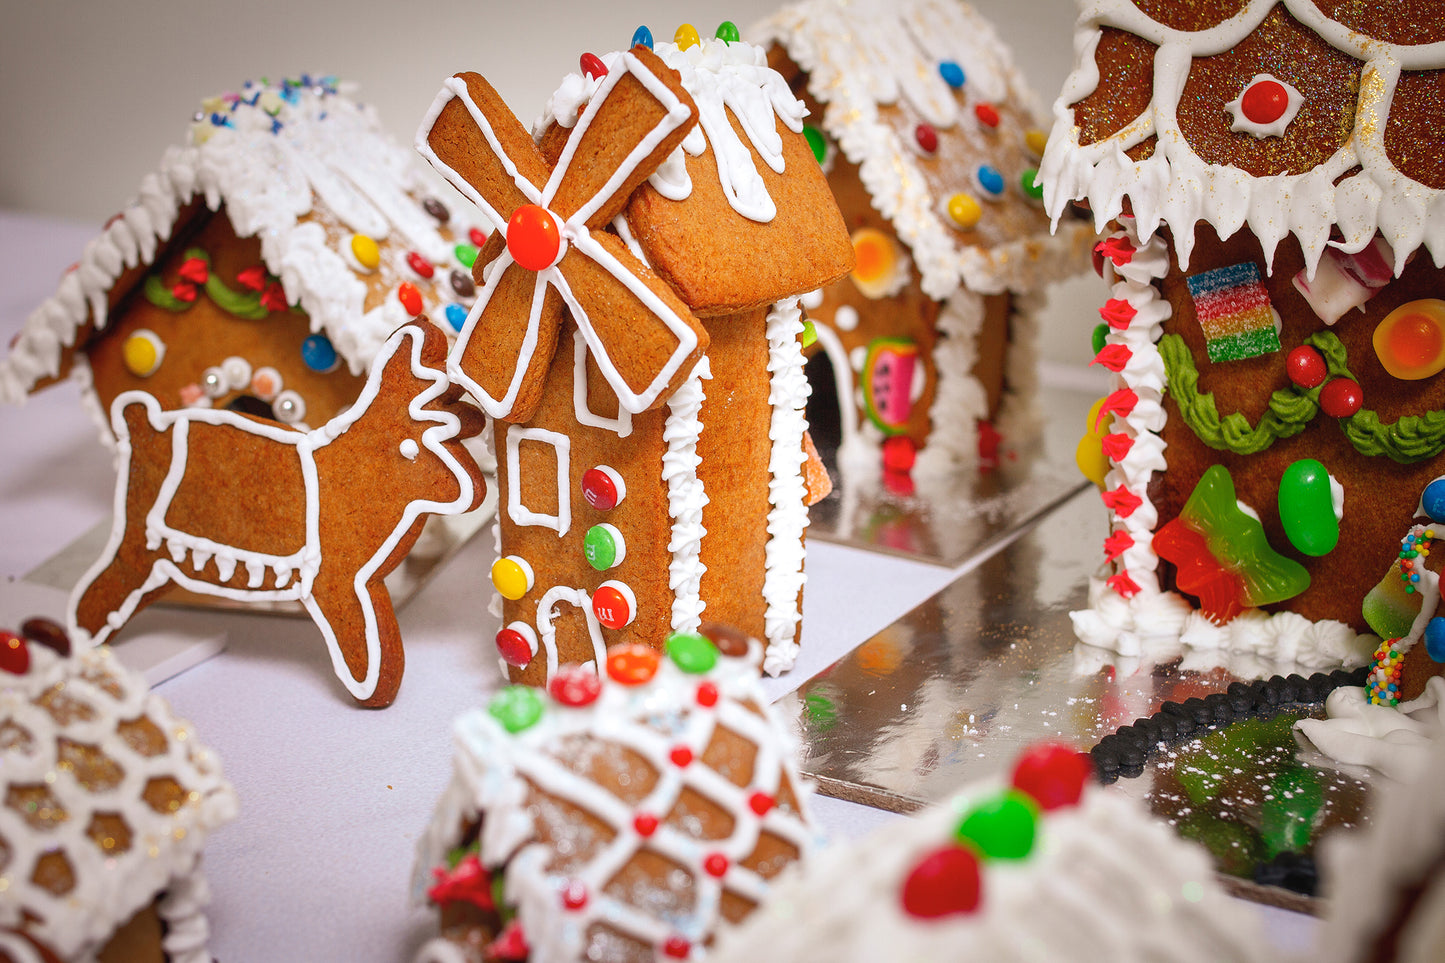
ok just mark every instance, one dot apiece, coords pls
pixel 442 538
pixel 954 690
pixel 948 520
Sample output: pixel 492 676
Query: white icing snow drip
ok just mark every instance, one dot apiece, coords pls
pixel 787 492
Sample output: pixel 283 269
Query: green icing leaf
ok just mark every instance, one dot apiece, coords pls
pixel 243 304
pixel 1413 438
pixel 158 294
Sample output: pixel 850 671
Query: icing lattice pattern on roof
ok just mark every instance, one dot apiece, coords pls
pixel 1349 167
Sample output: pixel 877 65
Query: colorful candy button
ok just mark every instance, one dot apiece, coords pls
pixel 516 707
pixel 461 282
pixel 1002 827
pixel 604 547
pixel 1036 140
pixel 512 577
pixel 436 209
pixel 945 882
pixel 517 644
pixel 419 264
pixel 409 297
pixel 728 31
pixel 456 315
pixel 592 66
pixel 143 352
pixel 989 180
pixel 951 73
pixel 876 269
pixel 1341 398
pixel 1053 775
pixel 319 354
pixel 1435 638
pixel 686 36
pixel 706 694
pixel 466 254
pixel 477 236
pixel 14 653
pixel 1306 367
pixel 716 864
pixel 364 249
pixel 575 685
pixel 1029 184
pixel 1306 508
pixel 964 210
pixel 987 114
pixel 1410 340
pixel 603 488
pixel 926 138
pixel 266 383
pixel 1264 101
pixel 614 604
pixel 1089 455
pixel 816 142
pixel 533 237
pixel 642 37
pixel 1432 500
pixel 691 652
pixel 632 663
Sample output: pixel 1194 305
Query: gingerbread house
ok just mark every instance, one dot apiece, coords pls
pixel 647 386
pixel 1268 178
pixel 259 268
pixel 928 136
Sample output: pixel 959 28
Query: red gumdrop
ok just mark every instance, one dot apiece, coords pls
pixel 14 653
pixel 1306 366
pixel 1053 774
pixel 943 883
pixel 1341 398
pixel 1265 102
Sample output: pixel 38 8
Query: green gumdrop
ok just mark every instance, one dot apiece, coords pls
pixel 1291 805
pixel 516 707
pixel 727 30
pixel 815 140
pixel 1237 541
pixel 1002 827
pixel 1101 331
pixel 1390 610
pixel 693 653
pixel 1235 847
pixel 1306 508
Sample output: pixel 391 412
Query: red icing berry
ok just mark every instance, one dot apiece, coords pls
pixel 986 114
pixel 1265 102
pixel 676 948
pixel 574 894
pixel 927 137
pixel 631 663
pixel 1053 774
pixel 409 297
pixel 477 236
pixel 514 647
pixel 14 653
pixel 645 824
pixel 760 803
pixel 575 685
pixel 600 490
pixel 1341 398
pixel 1116 311
pixel 253 278
pixel 716 864
pixel 899 453
pixel 510 945
pixel 533 238
pixel 593 66
pixel 681 757
pixel 274 298
pixel 1306 366
pixel 898 482
pixel 419 264
pixel 989 439
pixel 195 270
pixel 184 291
pixel 706 695
pixel 943 883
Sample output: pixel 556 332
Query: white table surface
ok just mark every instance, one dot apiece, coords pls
pixel 333 797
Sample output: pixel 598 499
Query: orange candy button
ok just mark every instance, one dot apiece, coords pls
pixel 1410 341
pixel 632 664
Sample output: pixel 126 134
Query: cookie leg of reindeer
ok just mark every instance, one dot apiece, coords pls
pixel 252 510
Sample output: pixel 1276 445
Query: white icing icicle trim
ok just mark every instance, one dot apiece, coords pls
pixel 787 492
pixel 685 499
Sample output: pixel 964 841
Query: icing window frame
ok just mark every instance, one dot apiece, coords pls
pixel 562 447
pixel 621 425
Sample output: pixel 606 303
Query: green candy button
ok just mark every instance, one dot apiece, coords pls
pixel 1029 182
pixel 1001 828
pixel 814 136
pixel 1307 508
pixel 516 707
pixel 466 254
pixel 602 546
pixel 692 653
pixel 727 30
pixel 1101 332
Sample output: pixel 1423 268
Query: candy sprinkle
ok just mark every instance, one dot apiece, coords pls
pixel 728 31
pixel 686 36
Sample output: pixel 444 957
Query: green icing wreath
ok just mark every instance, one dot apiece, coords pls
pixel 1410 439
pixel 243 304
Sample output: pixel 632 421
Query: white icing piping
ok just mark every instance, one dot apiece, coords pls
pixel 787 493
pixel 1175 188
pixel 547 631
pixel 516 511
pixel 686 499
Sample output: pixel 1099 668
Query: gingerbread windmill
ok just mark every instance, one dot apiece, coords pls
pixel 638 341
pixel 548 249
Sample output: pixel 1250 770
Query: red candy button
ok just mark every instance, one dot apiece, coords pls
pixel 986 114
pixel 706 695
pixel 645 824
pixel 517 643
pixel 1306 366
pixel 943 883
pixel 603 488
pixel 632 664
pixel 593 66
pixel 1053 774
pixel 676 948
pixel 681 757
pixel 533 239
pixel 761 803
pixel 614 604
pixel 716 864
pixel 899 453
pixel 575 686
pixel 574 894
pixel 409 297
pixel 927 138
pixel 1341 398
pixel 477 236
pixel 1265 102
pixel 419 264
pixel 14 653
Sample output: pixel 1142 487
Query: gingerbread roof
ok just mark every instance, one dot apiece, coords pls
pixel 881 69
pixel 304 168
pixel 108 799
pixel 1287 117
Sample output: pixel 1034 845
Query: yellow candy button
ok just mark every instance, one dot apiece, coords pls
pixel 142 353
pixel 365 251
pixel 1090 453
pixel 964 210
pixel 1035 140
pixel 512 577
pixel 686 36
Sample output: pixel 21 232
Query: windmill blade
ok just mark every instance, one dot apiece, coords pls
pixel 638 116
pixel 642 336
pixel 501 362
pixel 472 138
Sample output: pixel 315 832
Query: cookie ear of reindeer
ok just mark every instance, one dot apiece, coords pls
pixel 251 510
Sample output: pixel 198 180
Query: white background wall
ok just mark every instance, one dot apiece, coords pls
pixel 92 91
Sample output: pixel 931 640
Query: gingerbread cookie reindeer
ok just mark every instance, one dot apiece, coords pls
pixel 267 512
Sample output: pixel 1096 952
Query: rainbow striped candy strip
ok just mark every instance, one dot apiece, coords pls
pixel 1234 310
